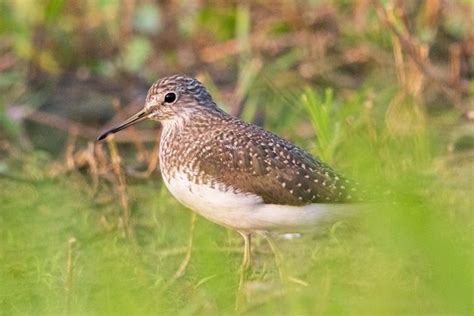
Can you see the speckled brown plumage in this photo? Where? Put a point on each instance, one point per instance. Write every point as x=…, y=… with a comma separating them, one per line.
x=211, y=147
x=237, y=174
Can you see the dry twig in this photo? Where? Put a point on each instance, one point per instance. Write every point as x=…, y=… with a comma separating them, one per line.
x=121, y=187
x=417, y=53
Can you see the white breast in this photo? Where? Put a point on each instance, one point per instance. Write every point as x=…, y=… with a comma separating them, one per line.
x=225, y=208
x=247, y=212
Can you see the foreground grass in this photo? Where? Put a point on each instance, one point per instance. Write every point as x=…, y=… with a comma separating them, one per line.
x=410, y=254
x=413, y=256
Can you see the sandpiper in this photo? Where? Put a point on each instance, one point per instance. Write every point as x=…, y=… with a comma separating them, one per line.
x=234, y=173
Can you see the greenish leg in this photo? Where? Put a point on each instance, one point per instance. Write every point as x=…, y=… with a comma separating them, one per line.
x=278, y=257
x=244, y=267
x=184, y=264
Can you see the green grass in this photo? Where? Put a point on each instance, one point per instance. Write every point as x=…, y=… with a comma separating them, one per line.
x=410, y=256
x=409, y=253
x=111, y=274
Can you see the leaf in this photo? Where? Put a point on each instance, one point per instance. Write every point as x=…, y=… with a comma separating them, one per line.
x=137, y=52
x=147, y=19
x=319, y=111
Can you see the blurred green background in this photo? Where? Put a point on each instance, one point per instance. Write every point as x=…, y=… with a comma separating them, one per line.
x=380, y=90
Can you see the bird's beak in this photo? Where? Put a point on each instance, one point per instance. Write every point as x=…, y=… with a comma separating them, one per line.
x=138, y=117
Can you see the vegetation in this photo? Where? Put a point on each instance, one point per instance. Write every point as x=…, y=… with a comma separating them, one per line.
x=380, y=90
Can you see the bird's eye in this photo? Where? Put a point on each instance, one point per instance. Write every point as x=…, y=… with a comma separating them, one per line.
x=170, y=97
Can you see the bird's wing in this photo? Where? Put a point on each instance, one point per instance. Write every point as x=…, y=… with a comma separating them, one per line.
x=259, y=162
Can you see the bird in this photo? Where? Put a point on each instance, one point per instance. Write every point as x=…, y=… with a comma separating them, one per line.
x=234, y=173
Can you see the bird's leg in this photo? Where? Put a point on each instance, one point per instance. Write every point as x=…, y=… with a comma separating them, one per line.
x=278, y=257
x=184, y=264
x=247, y=251
x=244, y=266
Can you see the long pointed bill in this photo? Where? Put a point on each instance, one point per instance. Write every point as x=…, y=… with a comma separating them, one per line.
x=140, y=116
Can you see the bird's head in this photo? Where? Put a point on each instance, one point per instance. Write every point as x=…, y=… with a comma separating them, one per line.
x=169, y=99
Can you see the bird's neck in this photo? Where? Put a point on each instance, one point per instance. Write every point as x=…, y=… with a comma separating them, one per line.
x=193, y=121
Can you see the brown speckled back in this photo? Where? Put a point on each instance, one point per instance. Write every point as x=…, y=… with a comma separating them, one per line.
x=213, y=148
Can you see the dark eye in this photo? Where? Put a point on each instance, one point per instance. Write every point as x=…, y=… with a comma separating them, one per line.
x=170, y=97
